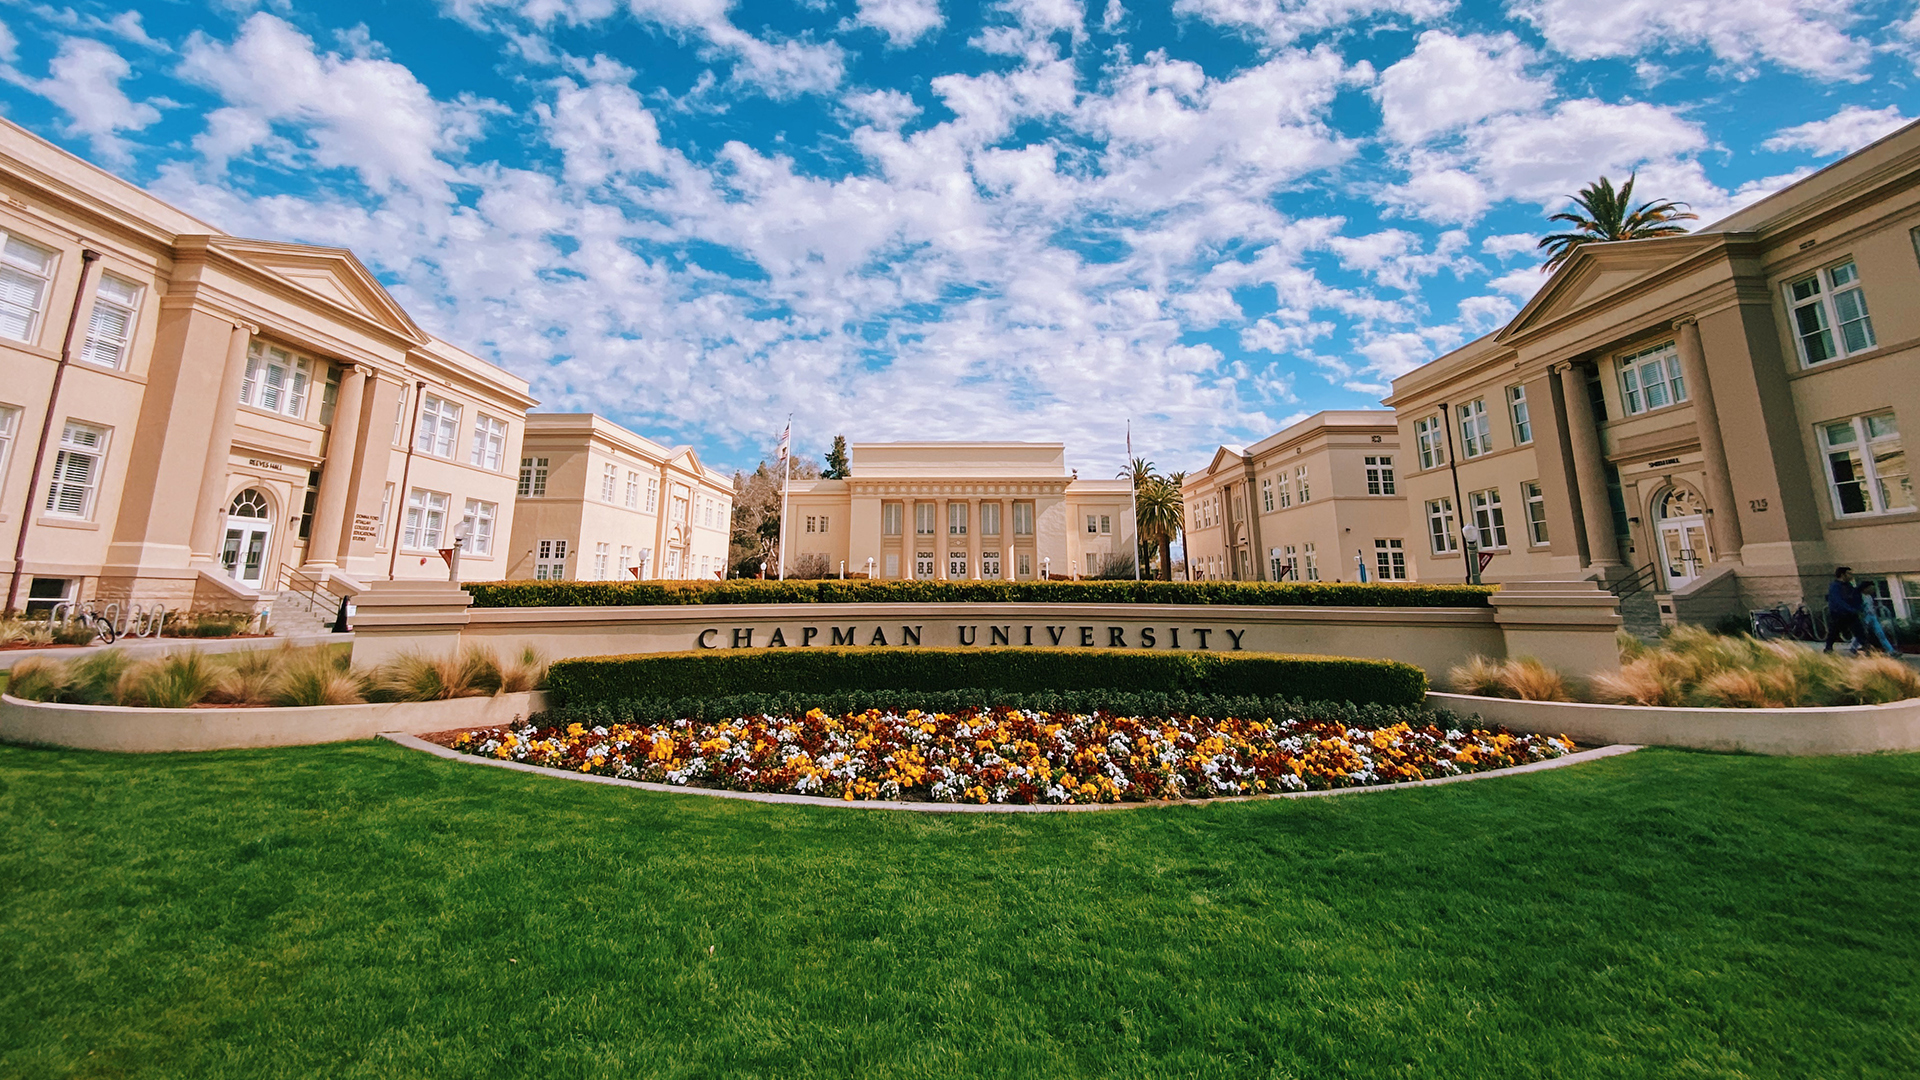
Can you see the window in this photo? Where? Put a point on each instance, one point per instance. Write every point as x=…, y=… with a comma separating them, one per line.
x=439, y=426
x=990, y=565
x=533, y=476
x=923, y=519
x=1440, y=526
x=600, y=555
x=1379, y=475
x=1389, y=560
x=823, y=523
x=892, y=568
x=810, y=523
x=26, y=270
x=633, y=490
x=957, y=565
x=276, y=380
x=1291, y=558
x=1536, y=513
x=76, y=470
x=1300, y=475
x=1489, y=518
x=891, y=516
x=990, y=520
x=329, y=395
x=1476, y=428
x=116, y=309
x=1517, y=411
x=1430, y=441
x=956, y=519
x=1650, y=379
x=399, y=417
x=426, y=520
x=479, y=523
x=1106, y=525
x=1026, y=565
x=923, y=565
x=1313, y=562
x=1827, y=301
x=1023, y=519
x=1093, y=524
x=653, y=495
x=1866, y=466
x=1275, y=567
x=626, y=560
x=489, y=442
x=550, y=560
x=677, y=512
x=308, y=501
x=609, y=478
x=1285, y=491
x=1266, y=494
x=386, y=517
x=9, y=426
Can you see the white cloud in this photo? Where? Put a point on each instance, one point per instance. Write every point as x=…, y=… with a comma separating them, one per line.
x=1520, y=284
x=888, y=110
x=84, y=79
x=601, y=129
x=1842, y=133
x=1282, y=22
x=1807, y=36
x=1394, y=259
x=1449, y=82
x=1506, y=245
x=1112, y=18
x=903, y=21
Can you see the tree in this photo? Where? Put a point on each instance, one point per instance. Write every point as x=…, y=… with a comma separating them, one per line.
x=1159, y=509
x=1604, y=216
x=756, y=516
x=837, y=468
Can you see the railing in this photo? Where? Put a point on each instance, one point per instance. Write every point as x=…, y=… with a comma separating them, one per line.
x=1640, y=581
x=138, y=620
x=314, y=589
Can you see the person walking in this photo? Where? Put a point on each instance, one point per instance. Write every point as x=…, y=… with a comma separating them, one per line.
x=1843, y=609
x=1874, y=631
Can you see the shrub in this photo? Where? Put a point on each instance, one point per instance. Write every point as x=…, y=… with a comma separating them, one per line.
x=472, y=673
x=249, y=676
x=1021, y=671
x=526, y=672
x=834, y=591
x=1876, y=680
x=208, y=624
x=317, y=677
x=25, y=632
x=95, y=678
x=1645, y=680
x=39, y=679
x=174, y=681
x=1524, y=678
x=73, y=633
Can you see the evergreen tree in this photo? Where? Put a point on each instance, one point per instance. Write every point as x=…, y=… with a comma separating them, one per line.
x=837, y=461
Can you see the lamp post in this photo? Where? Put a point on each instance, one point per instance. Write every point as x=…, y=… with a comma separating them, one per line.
x=843, y=569
x=1046, y=568
x=869, y=568
x=1470, y=535
x=460, y=534
x=763, y=571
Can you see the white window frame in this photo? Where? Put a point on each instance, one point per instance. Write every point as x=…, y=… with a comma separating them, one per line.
x=626, y=562
x=9, y=431
x=1443, y=533
x=1379, y=474
x=1536, y=501
x=1266, y=494
x=276, y=380
x=113, y=322
x=550, y=560
x=26, y=277
x=1835, y=304
x=1389, y=560
x=653, y=494
x=72, y=493
x=1476, y=428
x=533, y=477
x=1490, y=518
x=386, y=519
x=601, y=554
x=1668, y=384
x=989, y=519
x=479, y=519
x=489, y=442
x=892, y=518
x=1023, y=519
x=1872, y=453
x=425, y=526
x=1300, y=474
x=925, y=517
x=1430, y=441
x=1312, y=558
x=957, y=519
x=439, y=426
x=633, y=490
x=609, y=481
x=1519, y=414
x=1106, y=525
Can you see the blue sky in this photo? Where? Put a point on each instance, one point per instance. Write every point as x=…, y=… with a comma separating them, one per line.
x=927, y=219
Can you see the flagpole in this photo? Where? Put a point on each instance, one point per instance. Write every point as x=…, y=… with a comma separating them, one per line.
x=786, y=481
x=1133, y=500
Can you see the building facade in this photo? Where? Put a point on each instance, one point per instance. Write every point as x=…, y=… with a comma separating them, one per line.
x=232, y=409
x=1715, y=418
x=961, y=511
x=1312, y=502
x=599, y=503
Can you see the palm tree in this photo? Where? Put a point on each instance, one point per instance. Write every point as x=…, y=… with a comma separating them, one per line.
x=1162, y=509
x=1604, y=216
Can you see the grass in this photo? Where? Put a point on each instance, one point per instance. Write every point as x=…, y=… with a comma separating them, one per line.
x=364, y=911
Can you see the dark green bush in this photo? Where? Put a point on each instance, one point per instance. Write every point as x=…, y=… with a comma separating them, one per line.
x=588, y=680
x=500, y=594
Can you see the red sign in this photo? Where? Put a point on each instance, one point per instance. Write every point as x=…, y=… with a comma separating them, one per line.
x=1485, y=558
x=447, y=555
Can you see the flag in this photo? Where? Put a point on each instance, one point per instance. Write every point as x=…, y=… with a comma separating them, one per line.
x=786, y=435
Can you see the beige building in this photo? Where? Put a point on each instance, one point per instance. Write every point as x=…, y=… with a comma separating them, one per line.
x=1714, y=419
x=232, y=409
x=960, y=511
x=599, y=503
x=1302, y=504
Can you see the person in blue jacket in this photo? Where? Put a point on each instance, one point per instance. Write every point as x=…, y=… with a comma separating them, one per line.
x=1875, y=633
x=1843, y=609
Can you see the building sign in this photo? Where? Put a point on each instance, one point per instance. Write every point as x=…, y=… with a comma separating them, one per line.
x=262, y=463
x=365, y=526
x=1018, y=635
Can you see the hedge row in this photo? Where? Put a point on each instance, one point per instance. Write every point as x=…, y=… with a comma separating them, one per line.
x=504, y=594
x=1112, y=702
x=590, y=680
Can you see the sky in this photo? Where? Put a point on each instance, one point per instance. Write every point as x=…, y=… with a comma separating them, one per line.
x=943, y=219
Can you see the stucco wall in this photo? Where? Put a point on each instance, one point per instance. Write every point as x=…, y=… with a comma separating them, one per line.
x=1855, y=729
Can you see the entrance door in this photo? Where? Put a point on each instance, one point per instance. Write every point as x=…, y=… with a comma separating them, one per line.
x=990, y=565
x=244, y=552
x=923, y=565
x=1684, y=550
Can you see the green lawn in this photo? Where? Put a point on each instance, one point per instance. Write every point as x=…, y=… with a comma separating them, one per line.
x=365, y=911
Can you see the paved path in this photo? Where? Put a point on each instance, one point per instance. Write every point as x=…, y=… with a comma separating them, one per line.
x=144, y=646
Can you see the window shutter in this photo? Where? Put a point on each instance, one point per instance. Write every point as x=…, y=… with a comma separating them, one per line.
x=297, y=401
x=19, y=302
x=107, y=334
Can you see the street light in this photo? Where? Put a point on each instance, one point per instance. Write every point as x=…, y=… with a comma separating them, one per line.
x=1470, y=534
x=460, y=534
x=869, y=568
x=1046, y=568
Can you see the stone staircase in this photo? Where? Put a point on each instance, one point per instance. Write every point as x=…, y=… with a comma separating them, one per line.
x=294, y=614
x=1640, y=615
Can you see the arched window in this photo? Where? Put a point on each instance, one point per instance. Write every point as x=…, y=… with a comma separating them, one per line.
x=1680, y=503
x=248, y=504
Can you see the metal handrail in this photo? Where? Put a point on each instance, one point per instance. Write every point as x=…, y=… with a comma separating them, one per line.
x=310, y=587
x=1642, y=579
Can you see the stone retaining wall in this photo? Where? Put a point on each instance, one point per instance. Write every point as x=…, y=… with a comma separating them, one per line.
x=1850, y=729
x=142, y=731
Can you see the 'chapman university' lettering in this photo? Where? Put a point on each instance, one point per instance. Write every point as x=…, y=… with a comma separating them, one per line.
x=968, y=636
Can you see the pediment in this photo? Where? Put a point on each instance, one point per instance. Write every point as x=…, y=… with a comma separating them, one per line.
x=1597, y=271
x=684, y=457
x=331, y=275
x=1224, y=456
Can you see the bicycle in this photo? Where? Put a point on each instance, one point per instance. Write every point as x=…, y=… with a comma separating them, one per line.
x=1798, y=624
x=87, y=616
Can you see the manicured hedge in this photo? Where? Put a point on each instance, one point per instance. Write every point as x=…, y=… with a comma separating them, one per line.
x=501, y=594
x=1015, y=671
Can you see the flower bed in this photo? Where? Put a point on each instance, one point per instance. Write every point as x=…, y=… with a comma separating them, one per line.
x=1012, y=756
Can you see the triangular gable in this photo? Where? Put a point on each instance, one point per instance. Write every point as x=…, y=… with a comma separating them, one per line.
x=1224, y=455
x=684, y=457
x=330, y=274
x=1597, y=271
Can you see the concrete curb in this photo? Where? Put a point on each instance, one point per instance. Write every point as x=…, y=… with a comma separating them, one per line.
x=1840, y=729
x=415, y=743
x=142, y=646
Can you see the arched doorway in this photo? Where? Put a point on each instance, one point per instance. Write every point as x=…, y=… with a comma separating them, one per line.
x=1684, y=549
x=249, y=528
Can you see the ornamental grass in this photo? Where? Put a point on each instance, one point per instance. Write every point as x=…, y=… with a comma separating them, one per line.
x=1524, y=678
x=1007, y=755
